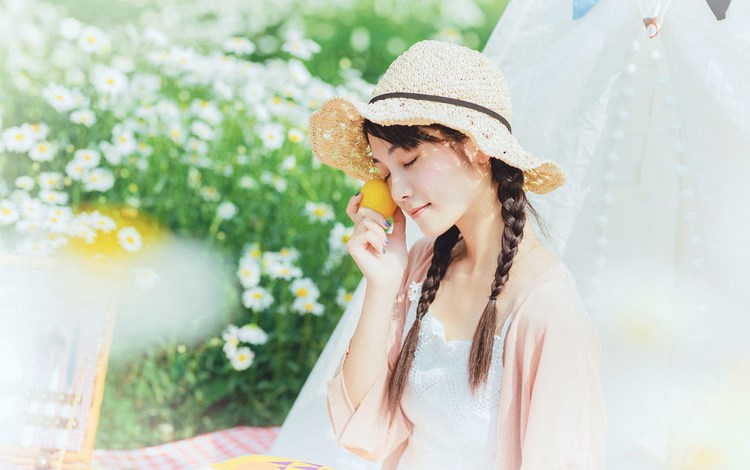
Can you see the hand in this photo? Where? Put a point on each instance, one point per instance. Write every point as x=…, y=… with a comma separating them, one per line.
x=382, y=263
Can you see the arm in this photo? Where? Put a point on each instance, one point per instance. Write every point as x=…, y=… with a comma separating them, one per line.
x=565, y=414
x=358, y=409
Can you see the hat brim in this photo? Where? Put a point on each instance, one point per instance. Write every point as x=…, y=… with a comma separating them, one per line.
x=337, y=139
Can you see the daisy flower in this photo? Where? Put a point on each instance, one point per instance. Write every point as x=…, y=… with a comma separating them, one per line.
x=18, y=139
x=85, y=117
x=339, y=237
x=98, y=179
x=252, y=334
x=50, y=180
x=88, y=158
x=318, y=212
x=59, y=97
x=239, y=46
x=43, y=152
x=295, y=135
x=307, y=306
x=257, y=299
x=226, y=210
x=75, y=170
x=289, y=163
x=101, y=222
x=58, y=218
x=277, y=181
x=32, y=209
x=53, y=197
x=8, y=212
x=93, y=40
x=247, y=182
x=304, y=288
x=242, y=359
x=25, y=182
x=70, y=28
x=343, y=297
x=124, y=140
x=130, y=239
x=202, y=130
x=272, y=136
x=248, y=273
x=109, y=81
x=300, y=47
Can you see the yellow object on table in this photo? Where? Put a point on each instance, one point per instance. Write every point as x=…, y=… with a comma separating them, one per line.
x=265, y=462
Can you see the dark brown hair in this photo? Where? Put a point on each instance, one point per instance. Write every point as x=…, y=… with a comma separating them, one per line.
x=509, y=182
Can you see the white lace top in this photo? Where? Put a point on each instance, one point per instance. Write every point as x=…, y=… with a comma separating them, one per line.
x=451, y=428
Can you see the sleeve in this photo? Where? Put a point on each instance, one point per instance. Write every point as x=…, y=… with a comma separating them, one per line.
x=365, y=430
x=565, y=414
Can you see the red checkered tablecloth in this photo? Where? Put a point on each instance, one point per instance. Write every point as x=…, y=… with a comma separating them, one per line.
x=189, y=453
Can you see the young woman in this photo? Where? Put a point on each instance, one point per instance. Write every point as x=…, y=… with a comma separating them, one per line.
x=473, y=349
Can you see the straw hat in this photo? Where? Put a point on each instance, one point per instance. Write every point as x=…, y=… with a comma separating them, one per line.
x=432, y=82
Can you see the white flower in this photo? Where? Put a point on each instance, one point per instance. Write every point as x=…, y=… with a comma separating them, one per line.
x=111, y=153
x=339, y=237
x=295, y=135
x=230, y=350
x=101, y=222
x=123, y=140
x=78, y=228
x=253, y=93
x=98, y=179
x=257, y=299
x=25, y=182
x=145, y=278
x=230, y=335
x=304, y=288
x=18, y=139
x=83, y=116
x=130, y=239
x=53, y=197
x=58, y=218
x=109, y=81
x=210, y=193
x=277, y=181
x=43, y=152
x=289, y=163
x=300, y=47
x=88, y=158
x=247, y=182
x=243, y=358
x=239, y=45
x=415, y=291
x=343, y=297
x=307, y=306
x=60, y=97
x=319, y=212
x=248, y=272
x=75, y=170
x=8, y=212
x=50, y=180
x=208, y=111
x=272, y=135
x=93, y=40
x=32, y=209
x=70, y=28
x=281, y=270
x=226, y=210
x=252, y=334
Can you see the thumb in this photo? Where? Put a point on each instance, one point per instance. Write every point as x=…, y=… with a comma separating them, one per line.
x=399, y=225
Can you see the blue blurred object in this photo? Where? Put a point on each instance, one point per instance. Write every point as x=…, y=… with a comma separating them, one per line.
x=581, y=7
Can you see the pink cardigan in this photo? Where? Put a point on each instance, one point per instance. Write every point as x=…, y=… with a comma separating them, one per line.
x=551, y=411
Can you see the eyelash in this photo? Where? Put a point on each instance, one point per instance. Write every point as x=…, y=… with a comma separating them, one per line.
x=406, y=165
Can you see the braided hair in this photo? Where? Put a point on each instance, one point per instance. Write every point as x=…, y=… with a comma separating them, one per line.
x=512, y=197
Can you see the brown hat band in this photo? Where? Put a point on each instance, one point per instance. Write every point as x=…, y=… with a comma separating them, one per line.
x=443, y=99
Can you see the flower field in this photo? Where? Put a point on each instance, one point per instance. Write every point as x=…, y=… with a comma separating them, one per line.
x=171, y=139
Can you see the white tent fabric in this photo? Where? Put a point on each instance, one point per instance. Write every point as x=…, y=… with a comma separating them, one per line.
x=652, y=125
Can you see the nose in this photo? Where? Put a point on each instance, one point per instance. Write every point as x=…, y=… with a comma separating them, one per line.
x=400, y=188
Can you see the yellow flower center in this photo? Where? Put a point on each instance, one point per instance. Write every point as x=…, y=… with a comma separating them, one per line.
x=301, y=292
x=257, y=296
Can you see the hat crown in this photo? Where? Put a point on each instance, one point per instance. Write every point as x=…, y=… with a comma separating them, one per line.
x=448, y=70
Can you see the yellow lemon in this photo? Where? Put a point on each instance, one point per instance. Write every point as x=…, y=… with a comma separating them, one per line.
x=377, y=196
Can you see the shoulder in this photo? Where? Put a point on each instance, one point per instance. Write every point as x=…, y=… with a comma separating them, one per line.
x=553, y=301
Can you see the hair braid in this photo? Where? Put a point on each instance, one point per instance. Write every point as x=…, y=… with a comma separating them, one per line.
x=513, y=199
x=440, y=261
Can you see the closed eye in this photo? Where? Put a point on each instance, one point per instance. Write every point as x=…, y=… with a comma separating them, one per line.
x=406, y=165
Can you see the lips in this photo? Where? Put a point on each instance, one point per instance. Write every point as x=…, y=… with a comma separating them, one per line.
x=418, y=210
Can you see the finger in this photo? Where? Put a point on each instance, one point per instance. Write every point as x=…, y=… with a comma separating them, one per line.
x=352, y=206
x=374, y=215
x=399, y=225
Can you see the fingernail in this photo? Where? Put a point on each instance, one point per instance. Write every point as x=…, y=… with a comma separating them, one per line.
x=387, y=224
x=357, y=193
x=383, y=250
x=387, y=241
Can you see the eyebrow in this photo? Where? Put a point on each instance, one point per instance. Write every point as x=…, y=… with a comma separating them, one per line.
x=390, y=151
